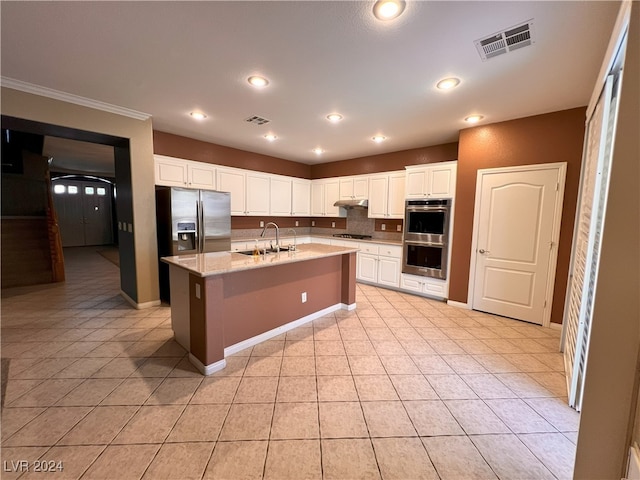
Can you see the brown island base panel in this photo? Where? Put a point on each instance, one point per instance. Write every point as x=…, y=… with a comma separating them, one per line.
x=223, y=302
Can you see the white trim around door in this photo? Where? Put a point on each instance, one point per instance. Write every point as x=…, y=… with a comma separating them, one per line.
x=561, y=168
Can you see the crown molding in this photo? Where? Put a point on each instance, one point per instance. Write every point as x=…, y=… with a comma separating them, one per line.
x=70, y=98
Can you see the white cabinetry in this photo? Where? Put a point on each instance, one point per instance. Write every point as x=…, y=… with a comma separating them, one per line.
x=176, y=172
x=324, y=193
x=354, y=188
x=379, y=264
x=437, y=180
x=257, y=193
x=386, y=195
x=232, y=180
x=249, y=190
x=431, y=287
x=301, y=197
x=280, y=196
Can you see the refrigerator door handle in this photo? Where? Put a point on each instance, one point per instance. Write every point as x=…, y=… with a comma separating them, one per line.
x=202, y=230
x=198, y=226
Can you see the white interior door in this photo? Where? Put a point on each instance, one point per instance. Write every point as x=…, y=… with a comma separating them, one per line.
x=515, y=238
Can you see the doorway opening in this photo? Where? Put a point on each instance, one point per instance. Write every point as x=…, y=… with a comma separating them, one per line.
x=92, y=179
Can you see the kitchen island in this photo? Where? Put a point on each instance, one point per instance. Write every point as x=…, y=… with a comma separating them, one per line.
x=224, y=302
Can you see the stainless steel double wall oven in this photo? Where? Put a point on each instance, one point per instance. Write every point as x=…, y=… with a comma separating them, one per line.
x=426, y=237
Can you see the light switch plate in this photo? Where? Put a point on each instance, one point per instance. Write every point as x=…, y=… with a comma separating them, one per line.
x=399, y=228
x=261, y=223
x=383, y=227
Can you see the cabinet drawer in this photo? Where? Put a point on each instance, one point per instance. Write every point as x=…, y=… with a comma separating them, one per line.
x=436, y=289
x=369, y=248
x=390, y=251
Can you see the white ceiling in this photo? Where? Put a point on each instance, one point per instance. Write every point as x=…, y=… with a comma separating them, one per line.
x=170, y=58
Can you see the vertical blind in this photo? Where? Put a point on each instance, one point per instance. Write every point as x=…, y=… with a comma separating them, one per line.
x=588, y=229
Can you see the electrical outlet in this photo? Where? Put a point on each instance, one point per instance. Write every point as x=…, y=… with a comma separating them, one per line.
x=313, y=223
x=304, y=297
x=399, y=228
x=297, y=223
x=261, y=223
x=383, y=227
x=197, y=290
x=333, y=224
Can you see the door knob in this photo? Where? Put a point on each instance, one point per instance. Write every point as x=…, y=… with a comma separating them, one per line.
x=483, y=251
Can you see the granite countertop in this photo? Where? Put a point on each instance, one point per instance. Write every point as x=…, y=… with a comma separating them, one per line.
x=218, y=263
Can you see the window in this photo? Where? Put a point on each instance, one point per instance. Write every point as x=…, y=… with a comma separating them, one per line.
x=101, y=191
x=73, y=190
x=59, y=189
x=89, y=190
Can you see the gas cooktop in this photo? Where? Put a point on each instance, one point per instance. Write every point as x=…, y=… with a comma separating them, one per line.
x=352, y=235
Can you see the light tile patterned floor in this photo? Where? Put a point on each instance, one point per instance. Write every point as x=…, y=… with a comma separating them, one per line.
x=402, y=388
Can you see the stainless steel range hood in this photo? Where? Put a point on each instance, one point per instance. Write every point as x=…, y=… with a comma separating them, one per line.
x=352, y=204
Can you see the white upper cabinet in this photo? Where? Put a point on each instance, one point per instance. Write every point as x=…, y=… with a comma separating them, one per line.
x=386, y=195
x=301, y=197
x=324, y=193
x=232, y=180
x=331, y=196
x=176, y=172
x=201, y=175
x=257, y=193
x=171, y=172
x=317, y=198
x=354, y=188
x=281, y=196
x=437, y=180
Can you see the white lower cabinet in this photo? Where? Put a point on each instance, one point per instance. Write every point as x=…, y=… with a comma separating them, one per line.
x=432, y=287
x=379, y=264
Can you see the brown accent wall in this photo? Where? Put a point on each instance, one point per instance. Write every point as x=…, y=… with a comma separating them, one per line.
x=325, y=222
x=241, y=223
x=386, y=162
x=549, y=138
x=390, y=225
x=259, y=300
x=188, y=148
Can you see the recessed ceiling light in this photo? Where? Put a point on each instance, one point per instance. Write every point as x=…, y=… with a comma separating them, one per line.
x=198, y=115
x=334, y=117
x=270, y=136
x=448, y=83
x=258, y=81
x=318, y=151
x=388, y=9
x=379, y=138
x=473, y=118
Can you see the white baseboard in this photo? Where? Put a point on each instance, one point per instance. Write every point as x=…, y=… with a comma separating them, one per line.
x=250, y=342
x=207, y=369
x=139, y=306
x=453, y=303
x=555, y=326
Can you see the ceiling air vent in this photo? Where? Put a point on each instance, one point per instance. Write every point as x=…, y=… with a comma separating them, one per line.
x=257, y=120
x=506, y=41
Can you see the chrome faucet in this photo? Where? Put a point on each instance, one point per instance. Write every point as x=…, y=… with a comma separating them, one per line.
x=277, y=234
x=294, y=247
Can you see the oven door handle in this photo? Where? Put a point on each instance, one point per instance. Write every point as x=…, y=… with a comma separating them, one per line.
x=425, y=244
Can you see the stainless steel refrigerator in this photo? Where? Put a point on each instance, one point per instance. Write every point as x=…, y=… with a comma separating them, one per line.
x=189, y=222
